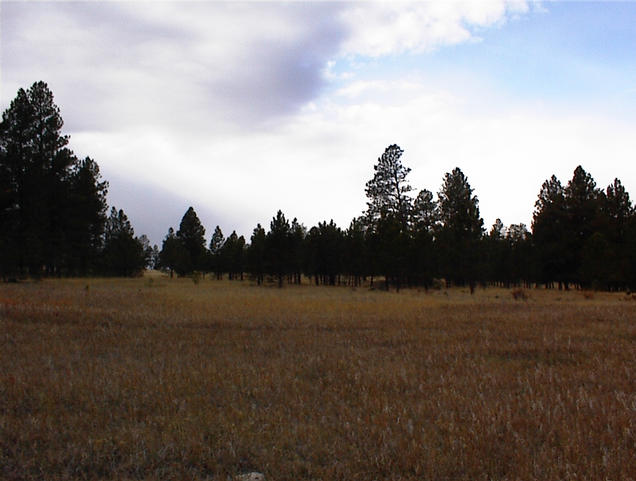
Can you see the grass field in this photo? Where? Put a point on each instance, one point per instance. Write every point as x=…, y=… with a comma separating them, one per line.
x=154, y=378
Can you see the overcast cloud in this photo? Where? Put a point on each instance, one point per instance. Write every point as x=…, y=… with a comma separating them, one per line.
x=242, y=108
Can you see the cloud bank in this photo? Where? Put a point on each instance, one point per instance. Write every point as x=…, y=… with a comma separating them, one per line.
x=242, y=108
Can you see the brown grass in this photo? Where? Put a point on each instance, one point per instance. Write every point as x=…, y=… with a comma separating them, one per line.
x=165, y=379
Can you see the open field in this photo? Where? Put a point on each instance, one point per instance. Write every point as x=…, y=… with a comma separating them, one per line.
x=155, y=378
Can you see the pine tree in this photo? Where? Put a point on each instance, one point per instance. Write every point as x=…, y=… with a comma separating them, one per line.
x=582, y=204
x=233, y=255
x=617, y=212
x=549, y=231
x=424, y=224
x=277, y=253
x=256, y=254
x=87, y=197
x=123, y=253
x=52, y=206
x=172, y=252
x=216, y=243
x=34, y=165
x=388, y=190
x=355, y=262
x=461, y=227
x=192, y=236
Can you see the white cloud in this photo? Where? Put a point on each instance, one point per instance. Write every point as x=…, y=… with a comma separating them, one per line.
x=314, y=166
x=384, y=28
x=239, y=107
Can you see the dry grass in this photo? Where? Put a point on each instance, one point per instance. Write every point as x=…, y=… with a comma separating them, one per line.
x=165, y=379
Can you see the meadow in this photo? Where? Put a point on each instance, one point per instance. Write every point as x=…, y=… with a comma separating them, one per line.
x=157, y=378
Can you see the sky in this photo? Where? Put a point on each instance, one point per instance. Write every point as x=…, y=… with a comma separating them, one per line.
x=243, y=108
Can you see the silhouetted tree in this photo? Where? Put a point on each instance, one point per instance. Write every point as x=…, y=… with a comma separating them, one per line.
x=216, y=258
x=192, y=236
x=52, y=207
x=424, y=224
x=613, y=256
x=549, y=231
x=355, y=262
x=389, y=245
x=172, y=253
x=34, y=161
x=297, y=250
x=277, y=252
x=256, y=254
x=387, y=191
x=582, y=205
x=123, y=253
x=461, y=228
x=87, y=216
x=233, y=255
x=325, y=247
x=519, y=258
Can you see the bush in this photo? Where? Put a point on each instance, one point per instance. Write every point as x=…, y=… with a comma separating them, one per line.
x=519, y=294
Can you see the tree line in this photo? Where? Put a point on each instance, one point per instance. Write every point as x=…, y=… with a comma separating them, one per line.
x=581, y=236
x=54, y=221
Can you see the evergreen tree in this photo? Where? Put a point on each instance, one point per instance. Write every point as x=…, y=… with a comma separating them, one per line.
x=389, y=246
x=216, y=244
x=297, y=254
x=497, y=255
x=233, y=255
x=424, y=224
x=461, y=228
x=582, y=205
x=52, y=206
x=325, y=246
x=425, y=213
x=277, y=252
x=519, y=258
x=355, y=262
x=172, y=253
x=123, y=253
x=388, y=190
x=256, y=254
x=549, y=231
x=192, y=236
x=34, y=165
x=88, y=201
x=618, y=262
x=147, y=248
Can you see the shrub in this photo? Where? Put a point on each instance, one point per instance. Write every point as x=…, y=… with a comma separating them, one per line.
x=519, y=294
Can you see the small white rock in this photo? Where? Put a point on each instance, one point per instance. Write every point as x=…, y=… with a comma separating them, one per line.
x=254, y=476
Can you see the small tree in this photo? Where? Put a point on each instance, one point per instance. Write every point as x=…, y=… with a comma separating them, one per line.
x=172, y=253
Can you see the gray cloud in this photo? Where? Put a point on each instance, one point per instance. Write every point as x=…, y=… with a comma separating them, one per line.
x=185, y=66
x=153, y=210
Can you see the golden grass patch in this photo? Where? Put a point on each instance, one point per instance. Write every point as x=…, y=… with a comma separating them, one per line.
x=132, y=379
